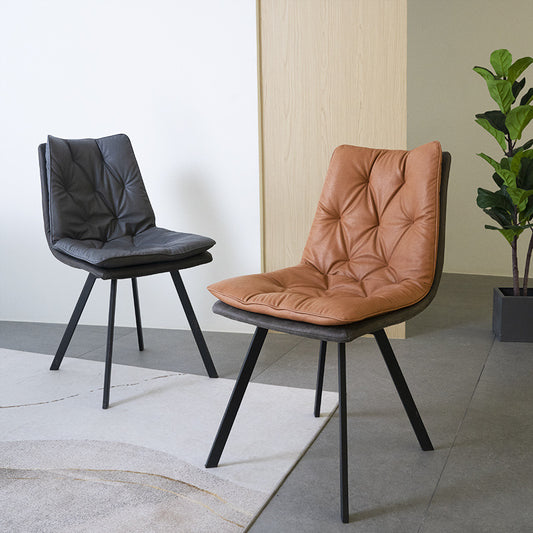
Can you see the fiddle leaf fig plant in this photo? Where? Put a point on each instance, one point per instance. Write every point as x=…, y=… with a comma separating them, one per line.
x=511, y=204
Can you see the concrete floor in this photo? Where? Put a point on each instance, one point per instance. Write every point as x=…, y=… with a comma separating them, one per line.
x=474, y=394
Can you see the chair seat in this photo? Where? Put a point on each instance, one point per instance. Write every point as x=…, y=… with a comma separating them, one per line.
x=152, y=245
x=305, y=294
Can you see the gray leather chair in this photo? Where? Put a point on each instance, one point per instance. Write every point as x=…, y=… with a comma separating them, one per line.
x=97, y=217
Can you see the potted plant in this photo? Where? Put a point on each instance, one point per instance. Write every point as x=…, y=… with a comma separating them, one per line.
x=511, y=204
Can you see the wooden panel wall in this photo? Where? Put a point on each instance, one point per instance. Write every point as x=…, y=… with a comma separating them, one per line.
x=331, y=72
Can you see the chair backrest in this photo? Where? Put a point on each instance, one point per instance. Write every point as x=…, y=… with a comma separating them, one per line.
x=378, y=217
x=92, y=189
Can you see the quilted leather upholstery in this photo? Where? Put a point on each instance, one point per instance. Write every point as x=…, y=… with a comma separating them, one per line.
x=99, y=211
x=372, y=246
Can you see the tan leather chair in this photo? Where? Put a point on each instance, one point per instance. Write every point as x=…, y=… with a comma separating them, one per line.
x=373, y=259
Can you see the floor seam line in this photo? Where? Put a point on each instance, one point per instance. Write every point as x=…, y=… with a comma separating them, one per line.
x=103, y=345
x=424, y=516
x=274, y=362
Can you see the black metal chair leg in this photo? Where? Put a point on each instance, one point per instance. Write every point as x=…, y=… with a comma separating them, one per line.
x=137, y=307
x=193, y=323
x=74, y=319
x=109, y=347
x=320, y=377
x=343, y=435
x=236, y=397
x=403, y=390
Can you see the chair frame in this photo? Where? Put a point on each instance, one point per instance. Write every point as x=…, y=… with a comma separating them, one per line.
x=114, y=274
x=341, y=335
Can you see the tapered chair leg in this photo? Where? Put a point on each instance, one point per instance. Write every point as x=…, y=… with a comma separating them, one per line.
x=193, y=323
x=137, y=307
x=236, y=397
x=343, y=435
x=403, y=390
x=74, y=319
x=320, y=377
x=109, y=347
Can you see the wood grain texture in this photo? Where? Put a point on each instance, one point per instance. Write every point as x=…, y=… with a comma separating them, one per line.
x=331, y=72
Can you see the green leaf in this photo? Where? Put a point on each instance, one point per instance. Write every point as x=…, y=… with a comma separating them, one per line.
x=525, y=146
x=525, y=175
x=510, y=234
x=508, y=176
x=526, y=99
x=501, y=91
x=501, y=60
x=505, y=163
x=516, y=160
x=519, y=197
x=485, y=198
x=491, y=161
x=518, y=67
x=518, y=86
x=488, y=199
x=485, y=73
x=498, y=135
x=497, y=179
x=501, y=216
x=517, y=119
x=527, y=214
x=496, y=120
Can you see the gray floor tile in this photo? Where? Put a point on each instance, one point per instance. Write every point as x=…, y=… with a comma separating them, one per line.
x=474, y=395
x=391, y=478
x=462, y=302
x=45, y=338
x=175, y=350
x=487, y=485
x=391, y=481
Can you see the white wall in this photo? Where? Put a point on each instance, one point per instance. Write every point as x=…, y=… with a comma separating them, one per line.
x=180, y=78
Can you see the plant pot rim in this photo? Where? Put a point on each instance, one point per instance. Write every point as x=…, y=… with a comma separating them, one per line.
x=507, y=292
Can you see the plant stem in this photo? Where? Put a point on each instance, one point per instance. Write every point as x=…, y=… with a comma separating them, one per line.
x=528, y=262
x=516, y=285
x=510, y=146
x=514, y=245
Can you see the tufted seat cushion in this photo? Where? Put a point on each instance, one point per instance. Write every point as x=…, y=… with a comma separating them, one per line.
x=152, y=245
x=99, y=211
x=372, y=246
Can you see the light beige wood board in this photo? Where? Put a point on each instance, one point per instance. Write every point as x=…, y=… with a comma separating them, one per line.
x=331, y=72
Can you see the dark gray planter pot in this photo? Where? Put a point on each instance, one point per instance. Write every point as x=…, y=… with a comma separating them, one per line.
x=512, y=316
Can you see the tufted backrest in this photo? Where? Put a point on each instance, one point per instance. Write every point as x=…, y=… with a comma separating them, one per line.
x=378, y=216
x=95, y=189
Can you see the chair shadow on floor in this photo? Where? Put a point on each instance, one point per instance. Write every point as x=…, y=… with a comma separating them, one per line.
x=391, y=508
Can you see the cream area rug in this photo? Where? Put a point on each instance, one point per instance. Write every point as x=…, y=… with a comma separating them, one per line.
x=66, y=465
